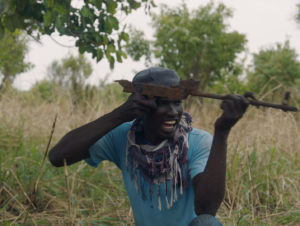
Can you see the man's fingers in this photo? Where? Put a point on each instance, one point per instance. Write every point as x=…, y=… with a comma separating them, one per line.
x=234, y=106
x=231, y=106
x=225, y=105
x=245, y=102
x=236, y=103
x=148, y=103
x=140, y=104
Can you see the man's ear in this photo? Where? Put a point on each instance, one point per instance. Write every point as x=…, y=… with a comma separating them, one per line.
x=145, y=117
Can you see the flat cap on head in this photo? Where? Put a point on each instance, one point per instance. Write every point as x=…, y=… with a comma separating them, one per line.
x=158, y=76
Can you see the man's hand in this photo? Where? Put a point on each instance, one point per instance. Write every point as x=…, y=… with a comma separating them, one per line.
x=136, y=106
x=234, y=108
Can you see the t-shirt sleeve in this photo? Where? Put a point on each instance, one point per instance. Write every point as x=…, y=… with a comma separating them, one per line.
x=200, y=144
x=109, y=147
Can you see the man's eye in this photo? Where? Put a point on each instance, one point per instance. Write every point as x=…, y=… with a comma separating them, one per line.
x=167, y=102
x=163, y=102
x=177, y=102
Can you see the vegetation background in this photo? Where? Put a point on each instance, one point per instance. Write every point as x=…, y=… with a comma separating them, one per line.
x=263, y=154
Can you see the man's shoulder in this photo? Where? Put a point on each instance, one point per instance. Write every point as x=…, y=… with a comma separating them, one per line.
x=198, y=136
x=200, y=142
x=124, y=127
x=199, y=132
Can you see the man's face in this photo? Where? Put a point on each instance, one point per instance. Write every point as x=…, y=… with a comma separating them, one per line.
x=161, y=123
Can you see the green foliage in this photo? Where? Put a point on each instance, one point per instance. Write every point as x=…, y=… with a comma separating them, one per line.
x=139, y=46
x=274, y=69
x=92, y=23
x=298, y=14
x=13, y=46
x=49, y=91
x=112, y=94
x=20, y=165
x=45, y=90
x=70, y=70
x=229, y=84
x=231, y=81
x=196, y=44
x=71, y=73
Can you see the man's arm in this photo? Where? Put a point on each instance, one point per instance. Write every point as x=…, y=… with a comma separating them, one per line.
x=209, y=186
x=74, y=146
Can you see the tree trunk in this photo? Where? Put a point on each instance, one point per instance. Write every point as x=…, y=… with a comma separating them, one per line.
x=5, y=82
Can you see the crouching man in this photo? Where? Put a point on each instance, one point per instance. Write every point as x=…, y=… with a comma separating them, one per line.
x=174, y=174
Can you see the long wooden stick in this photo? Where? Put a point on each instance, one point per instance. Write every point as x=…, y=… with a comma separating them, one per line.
x=188, y=87
x=256, y=103
x=45, y=156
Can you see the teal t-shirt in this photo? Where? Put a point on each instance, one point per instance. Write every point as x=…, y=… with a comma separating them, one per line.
x=112, y=147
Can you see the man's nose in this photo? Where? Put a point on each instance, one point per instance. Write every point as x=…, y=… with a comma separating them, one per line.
x=172, y=110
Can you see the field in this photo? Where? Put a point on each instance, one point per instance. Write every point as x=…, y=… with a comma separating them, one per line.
x=263, y=186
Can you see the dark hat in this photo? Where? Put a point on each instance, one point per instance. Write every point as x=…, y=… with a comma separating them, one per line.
x=157, y=75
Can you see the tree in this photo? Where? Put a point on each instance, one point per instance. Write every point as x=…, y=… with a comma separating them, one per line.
x=274, y=69
x=230, y=81
x=71, y=73
x=298, y=14
x=13, y=48
x=93, y=23
x=196, y=44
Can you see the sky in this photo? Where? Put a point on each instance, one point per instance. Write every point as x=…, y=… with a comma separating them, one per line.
x=264, y=22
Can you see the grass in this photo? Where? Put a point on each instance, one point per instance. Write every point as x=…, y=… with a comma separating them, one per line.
x=262, y=175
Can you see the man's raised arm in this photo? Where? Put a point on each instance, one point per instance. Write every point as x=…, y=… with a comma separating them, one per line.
x=209, y=186
x=74, y=146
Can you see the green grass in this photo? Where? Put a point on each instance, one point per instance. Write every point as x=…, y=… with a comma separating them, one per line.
x=262, y=170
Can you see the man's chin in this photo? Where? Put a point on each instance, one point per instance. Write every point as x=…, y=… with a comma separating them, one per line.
x=167, y=133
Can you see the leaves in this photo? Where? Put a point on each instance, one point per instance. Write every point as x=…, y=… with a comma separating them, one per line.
x=85, y=12
x=138, y=46
x=298, y=14
x=12, y=55
x=112, y=22
x=71, y=73
x=93, y=24
x=71, y=70
x=124, y=36
x=50, y=3
x=99, y=54
x=273, y=67
x=111, y=6
x=48, y=19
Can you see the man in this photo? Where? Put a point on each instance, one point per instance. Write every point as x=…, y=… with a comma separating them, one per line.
x=174, y=174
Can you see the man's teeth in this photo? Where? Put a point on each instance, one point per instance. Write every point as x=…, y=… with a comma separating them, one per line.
x=170, y=123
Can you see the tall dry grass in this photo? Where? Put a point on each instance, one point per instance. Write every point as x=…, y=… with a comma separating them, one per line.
x=262, y=176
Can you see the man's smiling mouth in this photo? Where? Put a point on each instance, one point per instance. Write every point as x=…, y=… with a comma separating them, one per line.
x=169, y=125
